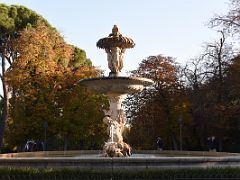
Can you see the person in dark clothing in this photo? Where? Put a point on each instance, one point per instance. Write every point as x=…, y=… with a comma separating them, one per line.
x=159, y=144
x=39, y=146
x=212, y=144
x=30, y=146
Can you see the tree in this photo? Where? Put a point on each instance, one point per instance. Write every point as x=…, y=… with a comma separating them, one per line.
x=34, y=77
x=231, y=21
x=80, y=58
x=195, y=76
x=218, y=57
x=81, y=120
x=44, y=86
x=12, y=19
x=154, y=112
x=207, y=90
x=231, y=108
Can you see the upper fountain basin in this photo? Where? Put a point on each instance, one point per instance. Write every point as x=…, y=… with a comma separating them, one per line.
x=116, y=85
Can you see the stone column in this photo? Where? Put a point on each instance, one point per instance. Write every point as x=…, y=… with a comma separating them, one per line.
x=116, y=108
x=115, y=119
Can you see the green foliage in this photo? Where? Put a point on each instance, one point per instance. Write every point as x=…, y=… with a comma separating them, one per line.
x=44, y=90
x=83, y=114
x=41, y=79
x=61, y=174
x=80, y=58
x=14, y=18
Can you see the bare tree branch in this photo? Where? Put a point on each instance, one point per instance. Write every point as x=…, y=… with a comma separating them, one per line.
x=8, y=58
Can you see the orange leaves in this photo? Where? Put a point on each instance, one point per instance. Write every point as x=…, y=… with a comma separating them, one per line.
x=87, y=72
x=43, y=48
x=40, y=51
x=158, y=68
x=43, y=80
x=44, y=87
x=155, y=111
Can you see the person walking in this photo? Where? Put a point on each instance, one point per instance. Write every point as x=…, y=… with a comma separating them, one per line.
x=212, y=144
x=159, y=144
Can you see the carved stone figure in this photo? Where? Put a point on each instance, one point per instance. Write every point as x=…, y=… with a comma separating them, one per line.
x=113, y=149
x=115, y=31
x=115, y=59
x=115, y=46
x=115, y=128
x=115, y=120
x=117, y=149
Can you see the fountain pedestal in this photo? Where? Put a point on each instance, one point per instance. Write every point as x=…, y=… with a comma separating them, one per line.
x=116, y=89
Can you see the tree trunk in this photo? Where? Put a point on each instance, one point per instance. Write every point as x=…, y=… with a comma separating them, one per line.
x=174, y=142
x=4, y=113
x=65, y=143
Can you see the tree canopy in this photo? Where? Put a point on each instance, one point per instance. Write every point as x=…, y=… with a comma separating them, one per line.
x=229, y=21
x=41, y=72
x=15, y=17
x=204, y=94
x=155, y=111
x=12, y=19
x=42, y=78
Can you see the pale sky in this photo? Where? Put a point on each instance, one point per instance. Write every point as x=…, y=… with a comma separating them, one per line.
x=175, y=28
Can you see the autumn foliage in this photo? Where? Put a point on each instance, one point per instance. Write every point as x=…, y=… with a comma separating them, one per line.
x=155, y=111
x=185, y=105
x=44, y=86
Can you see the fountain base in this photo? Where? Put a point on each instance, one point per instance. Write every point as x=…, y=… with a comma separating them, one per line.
x=116, y=88
x=140, y=160
x=113, y=149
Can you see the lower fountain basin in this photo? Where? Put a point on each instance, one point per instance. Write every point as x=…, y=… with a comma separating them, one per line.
x=116, y=85
x=141, y=160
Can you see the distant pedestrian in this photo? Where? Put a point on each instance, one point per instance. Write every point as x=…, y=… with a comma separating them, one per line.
x=212, y=144
x=39, y=146
x=30, y=146
x=159, y=144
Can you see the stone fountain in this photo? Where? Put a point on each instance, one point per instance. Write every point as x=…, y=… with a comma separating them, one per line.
x=116, y=87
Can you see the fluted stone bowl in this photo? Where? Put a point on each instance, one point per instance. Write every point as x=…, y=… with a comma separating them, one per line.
x=119, y=41
x=116, y=85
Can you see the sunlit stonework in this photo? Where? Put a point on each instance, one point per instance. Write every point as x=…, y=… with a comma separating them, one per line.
x=115, y=46
x=116, y=87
